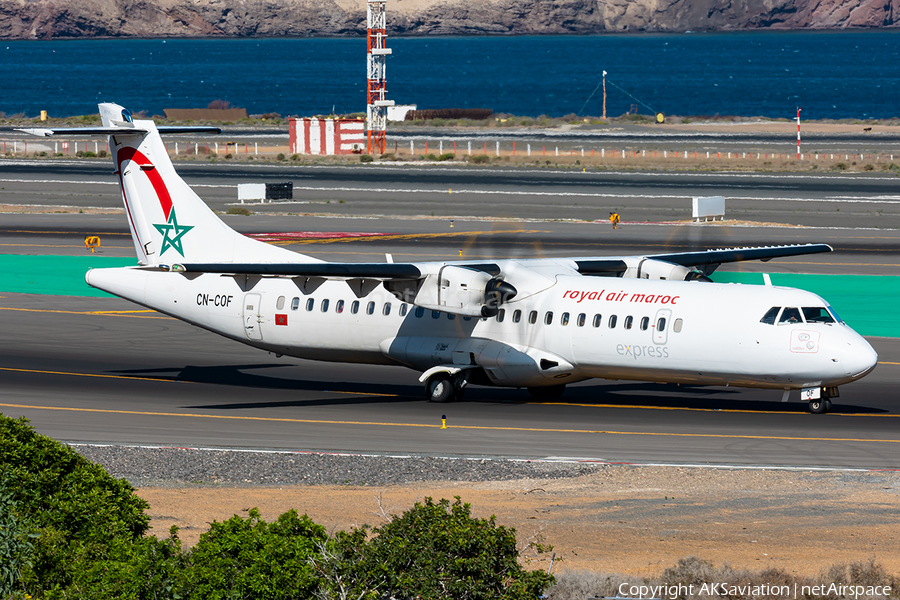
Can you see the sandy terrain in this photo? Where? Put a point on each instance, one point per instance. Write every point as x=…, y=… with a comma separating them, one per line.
x=629, y=520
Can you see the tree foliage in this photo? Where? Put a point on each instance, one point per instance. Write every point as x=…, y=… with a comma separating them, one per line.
x=70, y=530
x=75, y=505
x=249, y=558
x=435, y=550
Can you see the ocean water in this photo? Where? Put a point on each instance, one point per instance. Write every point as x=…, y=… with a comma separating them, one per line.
x=770, y=74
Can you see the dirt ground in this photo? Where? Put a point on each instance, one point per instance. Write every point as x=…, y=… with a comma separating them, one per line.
x=629, y=520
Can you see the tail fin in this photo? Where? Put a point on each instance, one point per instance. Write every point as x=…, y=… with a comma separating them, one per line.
x=169, y=222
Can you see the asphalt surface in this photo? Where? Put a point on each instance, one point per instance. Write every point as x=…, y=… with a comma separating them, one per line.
x=84, y=371
x=808, y=199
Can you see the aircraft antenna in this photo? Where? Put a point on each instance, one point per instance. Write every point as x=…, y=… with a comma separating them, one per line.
x=376, y=53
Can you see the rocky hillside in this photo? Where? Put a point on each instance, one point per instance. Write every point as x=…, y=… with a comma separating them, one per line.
x=48, y=19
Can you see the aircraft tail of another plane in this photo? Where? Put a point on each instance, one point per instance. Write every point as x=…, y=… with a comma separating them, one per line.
x=168, y=220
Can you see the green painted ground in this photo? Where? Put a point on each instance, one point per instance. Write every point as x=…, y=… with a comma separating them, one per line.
x=53, y=275
x=866, y=302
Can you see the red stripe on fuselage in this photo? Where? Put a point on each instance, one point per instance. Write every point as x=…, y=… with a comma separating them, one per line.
x=159, y=186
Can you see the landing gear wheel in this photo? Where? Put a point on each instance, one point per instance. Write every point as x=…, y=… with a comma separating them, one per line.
x=819, y=406
x=547, y=392
x=440, y=388
x=828, y=405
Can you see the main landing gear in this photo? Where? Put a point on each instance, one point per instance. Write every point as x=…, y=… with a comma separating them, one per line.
x=444, y=387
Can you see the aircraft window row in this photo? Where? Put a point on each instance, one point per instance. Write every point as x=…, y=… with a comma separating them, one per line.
x=791, y=314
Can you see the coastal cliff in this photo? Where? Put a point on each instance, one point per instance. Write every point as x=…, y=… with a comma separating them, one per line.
x=51, y=19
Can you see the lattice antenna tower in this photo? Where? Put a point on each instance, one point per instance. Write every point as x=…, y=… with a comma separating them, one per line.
x=376, y=53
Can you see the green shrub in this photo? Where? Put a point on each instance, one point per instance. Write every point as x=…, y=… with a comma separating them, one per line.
x=840, y=167
x=480, y=159
x=430, y=156
x=238, y=210
x=79, y=510
x=433, y=550
x=366, y=158
x=387, y=156
x=280, y=156
x=446, y=156
x=249, y=558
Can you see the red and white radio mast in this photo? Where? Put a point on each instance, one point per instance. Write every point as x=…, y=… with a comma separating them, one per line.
x=376, y=104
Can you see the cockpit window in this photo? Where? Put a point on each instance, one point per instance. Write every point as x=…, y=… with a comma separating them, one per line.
x=790, y=315
x=770, y=316
x=836, y=316
x=817, y=314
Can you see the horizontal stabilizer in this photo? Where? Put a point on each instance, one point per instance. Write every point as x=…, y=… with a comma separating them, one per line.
x=47, y=132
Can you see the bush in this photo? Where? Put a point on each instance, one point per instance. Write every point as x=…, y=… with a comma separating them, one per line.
x=430, y=156
x=78, y=509
x=280, y=156
x=387, y=156
x=366, y=158
x=446, y=156
x=840, y=167
x=249, y=558
x=480, y=159
x=238, y=210
x=433, y=550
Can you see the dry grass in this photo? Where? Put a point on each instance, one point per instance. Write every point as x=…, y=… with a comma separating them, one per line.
x=742, y=584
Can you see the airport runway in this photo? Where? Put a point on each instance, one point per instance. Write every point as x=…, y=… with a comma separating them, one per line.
x=92, y=369
x=120, y=376
x=808, y=199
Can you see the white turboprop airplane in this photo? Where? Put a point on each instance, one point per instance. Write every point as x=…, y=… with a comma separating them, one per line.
x=536, y=323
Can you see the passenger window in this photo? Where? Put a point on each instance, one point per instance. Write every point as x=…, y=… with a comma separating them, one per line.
x=419, y=312
x=295, y=303
x=517, y=316
x=339, y=307
x=612, y=321
x=387, y=309
x=661, y=324
x=789, y=316
x=403, y=309
x=548, y=317
x=354, y=308
x=279, y=304
x=817, y=314
x=501, y=314
x=597, y=320
x=564, y=319
x=450, y=316
x=532, y=317
x=628, y=322
x=309, y=304
x=581, y=319
x=467, y=318
x=324, y=305
x=770, y=316
x=435, y=314
x=370, y=308
x=645, y=323
x=677, y=326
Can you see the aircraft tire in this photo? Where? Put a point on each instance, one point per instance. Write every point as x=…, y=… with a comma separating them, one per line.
x=819, y=406
x=545, y=392
x=827, y=405
x=441, y=389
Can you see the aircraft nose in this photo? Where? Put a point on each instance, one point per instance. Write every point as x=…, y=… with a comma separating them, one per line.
x=859, y=358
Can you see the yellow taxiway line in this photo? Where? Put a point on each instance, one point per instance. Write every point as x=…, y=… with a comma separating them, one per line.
x=138, y=314
x=439, y=426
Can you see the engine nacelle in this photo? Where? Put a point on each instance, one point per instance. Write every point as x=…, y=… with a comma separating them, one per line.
x=649, y=268
x=461, y=291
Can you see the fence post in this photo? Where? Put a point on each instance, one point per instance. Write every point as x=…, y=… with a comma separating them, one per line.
x=470, y=147
x=529, y=149
x=498, y=148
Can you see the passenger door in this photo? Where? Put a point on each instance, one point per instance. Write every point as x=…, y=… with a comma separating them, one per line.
x=661, y=326
x=252, y=316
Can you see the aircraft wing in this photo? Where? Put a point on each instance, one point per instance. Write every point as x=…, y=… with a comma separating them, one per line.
x=727, y=255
